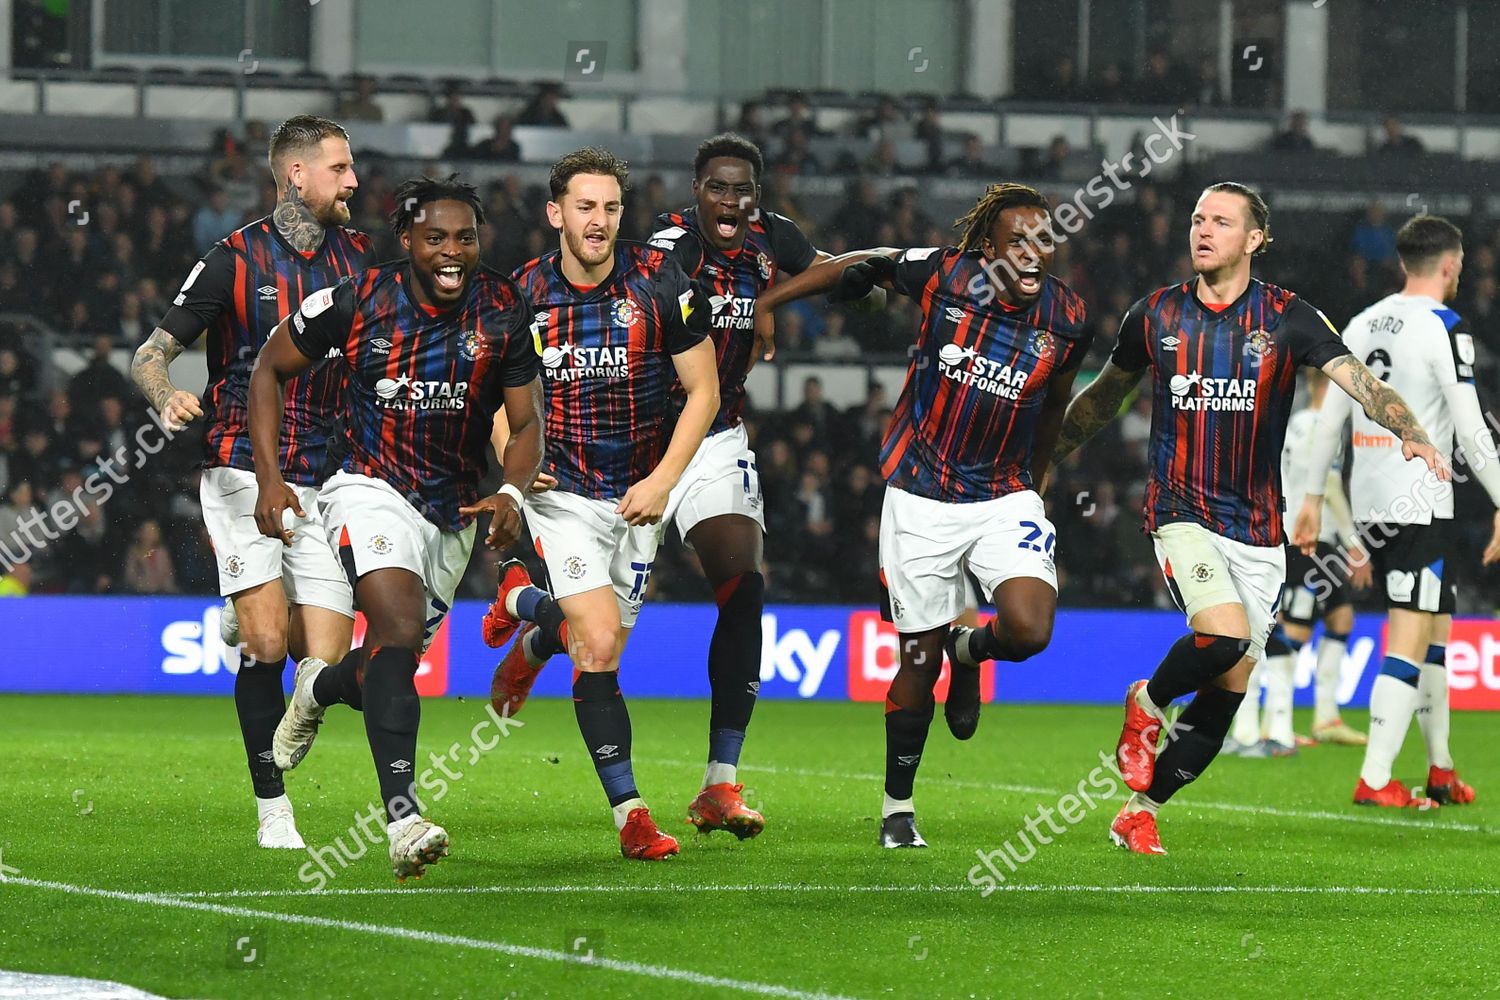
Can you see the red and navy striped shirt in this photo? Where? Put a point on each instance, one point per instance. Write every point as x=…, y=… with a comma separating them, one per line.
x=423, y=385
x=1223, y=381
x=964, y=425
x=245, y=285
x=607, y=365
x=733, y=281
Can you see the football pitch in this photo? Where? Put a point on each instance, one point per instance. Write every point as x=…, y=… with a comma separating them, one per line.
x=129, y=854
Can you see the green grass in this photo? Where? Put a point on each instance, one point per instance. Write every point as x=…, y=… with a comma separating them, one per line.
x=171, y=814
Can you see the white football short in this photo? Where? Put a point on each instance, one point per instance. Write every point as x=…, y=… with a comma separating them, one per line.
x=1204, y=569
x=586, y=545
x=308, y=569
x=926, y=545
x=721, y=479
x=371, y=526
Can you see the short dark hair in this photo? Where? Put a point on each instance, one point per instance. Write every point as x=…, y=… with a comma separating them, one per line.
x=419, y=191
x=590, y=160
x=1260, y=212
x=1424, y=239
x=986, y=212
x=298, y=134
x=731, y=145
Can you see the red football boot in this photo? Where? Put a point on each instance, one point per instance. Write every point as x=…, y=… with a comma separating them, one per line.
x=498, y=625
x=1136, y=751
x=1136, y=831
x=641, y=840
x=514, y=675
x=719, y=807
x=1446, y=788
x=1393, y=795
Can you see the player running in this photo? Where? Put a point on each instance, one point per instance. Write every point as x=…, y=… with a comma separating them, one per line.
x=1000, y=343
x=614, y=321
x=1317, y=587
x=1406, y=516
x=1223, y=351
x=432, y=347
x=245, y=284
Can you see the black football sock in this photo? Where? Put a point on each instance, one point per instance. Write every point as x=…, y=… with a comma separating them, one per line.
x=1194, y=740
x=1193, y=661
x=905, y=736
x=259, y=703
x=342, y=683
x=551, y=636
x=734, y=665
x=604, y=722
x=392, y=713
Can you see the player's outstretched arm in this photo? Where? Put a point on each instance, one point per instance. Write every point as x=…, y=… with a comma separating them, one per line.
x=823, y=276
x=1094, y=407
x=1385, y=406
x=279, y=360
x=149, y=370
x=698, y=371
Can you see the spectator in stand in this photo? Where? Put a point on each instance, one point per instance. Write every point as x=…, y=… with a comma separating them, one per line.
x=883, y=161
x=970, y=160
x=1203, y=84
x=816, y=412
x=1054, y=162
x=1062, y=83
x=213, y=221
x=1295, y=138
x=131, y=327
x=100, y=377
x=887, y=121
x=16, y=583
x=929, y=129
x=87, y=555
x=795, y=158
x=1109, y=88
x=360, y=106
x=799, y=118
x=859, y=216
x=834, y=344
x=453, y=112
x=1160, y=83
x=231, y=174
x=1397, y=141
x=148, y=564
x=12, y=378
x=752, y=124
x=500, y=147
x=1374, y=239
x=543, y=108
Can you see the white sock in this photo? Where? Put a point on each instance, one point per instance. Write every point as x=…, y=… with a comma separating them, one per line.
x=263, y=807
x=894, y=806
x=528, y=648
x=1326, y=680
x=1139, y=802
x=1247, y=718
x=1278, y=681
x=1143, y=699
x=1432, y=713
x=510, y=601
x=719, y=774
x=624, y=809
x=1392, y=702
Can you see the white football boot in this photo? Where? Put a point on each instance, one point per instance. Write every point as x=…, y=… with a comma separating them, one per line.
x=415, y=844
x=299, y=726
x=278, y=829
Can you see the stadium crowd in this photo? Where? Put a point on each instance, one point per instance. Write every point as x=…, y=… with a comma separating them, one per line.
x=102, y=280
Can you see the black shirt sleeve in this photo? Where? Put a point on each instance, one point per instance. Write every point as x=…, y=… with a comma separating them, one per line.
x=1075, y=350
x=207, y=292
x=792, y=249
x=1312, y=339
x=679, y=244
x=323, y=321
x=521, y=363
x=1130, y=353
x=1461, y=340
x=684, y=310
x=915, y=267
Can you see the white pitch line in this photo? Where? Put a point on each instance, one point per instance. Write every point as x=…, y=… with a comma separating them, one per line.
x=1186, y=804
x=1338, y=890
x=434, y=937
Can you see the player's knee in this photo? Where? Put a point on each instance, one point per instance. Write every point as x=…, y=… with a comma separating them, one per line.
x=268, y=645
x=1340, y=619
x=1024, y=638
x=1220, y=653
x=404, y=631
x=596, y=649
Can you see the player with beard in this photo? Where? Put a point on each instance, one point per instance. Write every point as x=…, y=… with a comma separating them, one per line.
x=615, y=322
x=433, y=348
x=1223, y=351
x=1000, y=343
x=284, y=597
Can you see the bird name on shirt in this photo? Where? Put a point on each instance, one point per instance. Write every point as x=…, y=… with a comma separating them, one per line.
x=1213, y=393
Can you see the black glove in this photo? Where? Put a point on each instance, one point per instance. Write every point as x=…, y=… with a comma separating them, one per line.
x=857, y=280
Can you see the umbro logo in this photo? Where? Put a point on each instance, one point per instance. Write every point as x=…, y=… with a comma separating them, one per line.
x=1185, y=775
x=267, y=291
x=607, y=751
x=908, y=760
x=954, y=313
x=266, y=755
x=1170, y=343
x=380, y=345
x=753, y=687
x=400, y=767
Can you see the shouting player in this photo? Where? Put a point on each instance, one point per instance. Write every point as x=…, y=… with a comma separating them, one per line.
x=614, y=322
x=1000, y=343
x=1406, y=517
x=245, y=284
x=1223, y=350
x=433, y=347
x=734, y=251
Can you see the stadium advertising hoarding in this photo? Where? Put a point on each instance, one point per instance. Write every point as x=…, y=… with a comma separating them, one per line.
x=80, y=645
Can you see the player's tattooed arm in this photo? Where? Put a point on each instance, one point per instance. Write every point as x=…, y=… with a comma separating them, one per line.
x=149, y=370
x=1094, y=407
x=1385, y=406
x=295, y=221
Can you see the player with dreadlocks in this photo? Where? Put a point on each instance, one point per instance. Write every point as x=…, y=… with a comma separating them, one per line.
x=991, y=375
x=433, y=347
